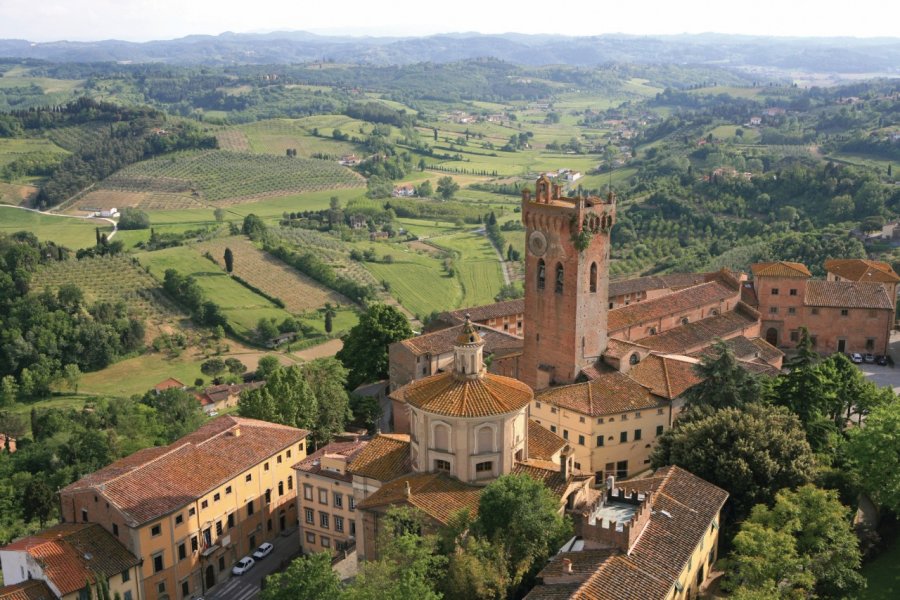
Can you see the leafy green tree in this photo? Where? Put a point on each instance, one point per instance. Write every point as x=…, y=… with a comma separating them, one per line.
x=229, y=260
x=447, y=187
x=425, y=190
x=267, y=365
x=178, y=412
x=235, y=366
x=72, y=375
x=767, y=451
x=804, y=543
x=38, y=500
x=12, y=426
x=476, y=570
x=328, y=378
x=253, y=227
x=212, y=367
x=873, y=452
x=219, y=215
x=365, y=351
x=520, y=515
x=133, y=218
x=9, y=390
x=287, y=398
x=725, y=384
x=306, y=578
x=266, y=330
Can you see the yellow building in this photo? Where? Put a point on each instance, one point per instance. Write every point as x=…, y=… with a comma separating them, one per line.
x=654, y=538
x=325, y=496
x=64, y=559
x=191, y=509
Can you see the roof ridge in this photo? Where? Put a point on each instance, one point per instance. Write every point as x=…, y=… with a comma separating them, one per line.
x=666, y=375
x=172, y=448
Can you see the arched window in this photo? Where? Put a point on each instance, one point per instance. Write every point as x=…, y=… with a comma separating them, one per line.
x=685, y=321
x=634, y=358
x=484, y=440
x=559, y=278
x=714, y=312
x=593, y=278
x=441, y=439
x=541, y=274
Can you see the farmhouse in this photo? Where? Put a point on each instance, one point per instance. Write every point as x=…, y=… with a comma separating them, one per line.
x=217, y=398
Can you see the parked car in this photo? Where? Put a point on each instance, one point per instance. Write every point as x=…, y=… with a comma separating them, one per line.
x=869, y=358
x=856, y=358
x=881, y=360
x=263, y=551
x=243, y=565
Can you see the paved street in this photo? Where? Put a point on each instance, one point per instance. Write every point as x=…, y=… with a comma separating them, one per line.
x=246, y=587
x=886, y=376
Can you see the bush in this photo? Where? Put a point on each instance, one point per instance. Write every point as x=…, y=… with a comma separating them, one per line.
x=132, y=218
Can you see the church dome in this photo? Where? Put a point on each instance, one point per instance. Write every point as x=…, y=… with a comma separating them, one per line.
x=450, y=395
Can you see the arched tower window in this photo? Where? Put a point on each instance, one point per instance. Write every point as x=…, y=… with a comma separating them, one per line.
x=559, y=278
x=593, y=278
x=541, y=274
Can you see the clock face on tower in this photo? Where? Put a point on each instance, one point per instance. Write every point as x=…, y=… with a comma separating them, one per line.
x=537, y=243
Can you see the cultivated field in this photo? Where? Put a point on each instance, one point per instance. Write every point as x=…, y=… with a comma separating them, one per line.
x=15, y=194
x=298, y=292
x=11, y=149
x=66, y=231
x=105, y=198
x=113, y=279
x=274, y=136
x=220, y=175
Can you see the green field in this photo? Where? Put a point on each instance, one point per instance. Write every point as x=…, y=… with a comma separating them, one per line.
x=275, y=136
x=66, y=231
x=883, y=575
x=477, y=266
x=728, y=132
x=417, y=281
x=217, y=175
x=242, y=307
x=13, y=148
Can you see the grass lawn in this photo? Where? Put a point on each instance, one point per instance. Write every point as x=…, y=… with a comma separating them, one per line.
x=69, y=232
x=477, y=267
x=417, y=281
x=883, y=575
x=139, y=374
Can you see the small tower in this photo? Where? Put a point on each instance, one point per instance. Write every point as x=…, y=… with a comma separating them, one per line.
x=566, y=282
x=468, y=353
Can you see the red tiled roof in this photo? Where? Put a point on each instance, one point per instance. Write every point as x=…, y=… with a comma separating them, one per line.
x=686, y=338
x=156, y=481
x=458, y=396
x=667, y=376
x=684, y=507
x=442, y=341
x=610, y=393
x=672, y=281
x=33, y=589
x=846, y=294
x=168, y=384
x=384, y=458
x=217, y=393
x=497, y=310
x=781, y=268
x=438, y=495
x=857, y=269
x=72, y=553
x=547, y=473
x=676, y=302
x=745, y=348
x=312, y=464
x=542, y=443
x=621, y=348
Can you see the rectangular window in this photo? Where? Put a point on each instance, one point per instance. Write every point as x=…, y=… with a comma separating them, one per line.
x=622, y=418
x=622, y=469
x=484, y=467
x=338, y=500
x=795, y=336
x=339, y=524
x=157, y=562
x=793, y=292
x=310, y=515
x=290, y=482
x=872, y=314
x=637, y=434
x=161, y=587
x=268, y=496
x=323, y=496
x=265, y=466
x=216, y=497
x=310, y=537
x=565, y=434
x=300, y=447
x=792, y=310
x=115, y=529
x=774, y=291
x=326, y=542
x=194, y=543
x=773, y=310
x=250, y=508
x=659, y=430
x=599, y=440
x=307, y=492
x=185, y=589
x=581, y=440
x=155, y=530
x=441, y=465
x=127, y=595
x=228, y=489
x=637, y=415
x=278, y=460
x=323, y=520
x=659, y=411
x=126, y=575
x=623, y=437
x=192, y=511
x=581, y=419
x=288, y=453
x=218, y=528
x=599, y=420
x=231, y=521
x=352, y=503
x=553, y=428
x=815, y=311
x=845, y=312
x=204, y=504
x=353, y=528
x=179, y=519
x=870, y=344
x=182, y=551
x=249, y=477
x=553, y=410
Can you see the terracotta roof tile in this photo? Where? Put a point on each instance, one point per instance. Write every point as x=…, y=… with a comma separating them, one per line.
x=451, y=395
x=157, y=481
x=497, y=310
x=667, y=376
x=547, y=473
x=438, y=495
x=168, y=384
x=442, y=341
x=781, y=268
x=745, y=348
x=33, y=589
x=686, y=338
x=312, y=464
x=857, y=269
x=611, y=393
x=384, y=458
x=543, y=444
x=672, y=281
x=846, y=294
x=616, y=348
x=684, y=506
x=71, y=553
x=698, y=295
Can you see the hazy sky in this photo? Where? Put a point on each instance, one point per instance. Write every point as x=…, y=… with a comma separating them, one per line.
x=141, y=20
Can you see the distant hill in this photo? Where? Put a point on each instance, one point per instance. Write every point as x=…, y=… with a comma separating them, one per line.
x=841, y=55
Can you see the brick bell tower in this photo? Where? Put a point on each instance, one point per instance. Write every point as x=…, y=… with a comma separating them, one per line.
x=566, y=283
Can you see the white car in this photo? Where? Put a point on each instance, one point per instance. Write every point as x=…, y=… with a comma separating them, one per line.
x=856, y=358
x=263, y=551
x=243, y=565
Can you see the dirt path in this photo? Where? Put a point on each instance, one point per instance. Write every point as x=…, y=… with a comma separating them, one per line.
x=329, y=348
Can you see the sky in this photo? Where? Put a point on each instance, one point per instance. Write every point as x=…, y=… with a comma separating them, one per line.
x=142, y=20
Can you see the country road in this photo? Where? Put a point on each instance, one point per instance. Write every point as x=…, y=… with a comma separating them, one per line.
x=52, y=214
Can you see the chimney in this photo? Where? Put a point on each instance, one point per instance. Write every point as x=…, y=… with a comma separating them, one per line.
x=567, y=565
x=236, y=432
x=408, y=491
